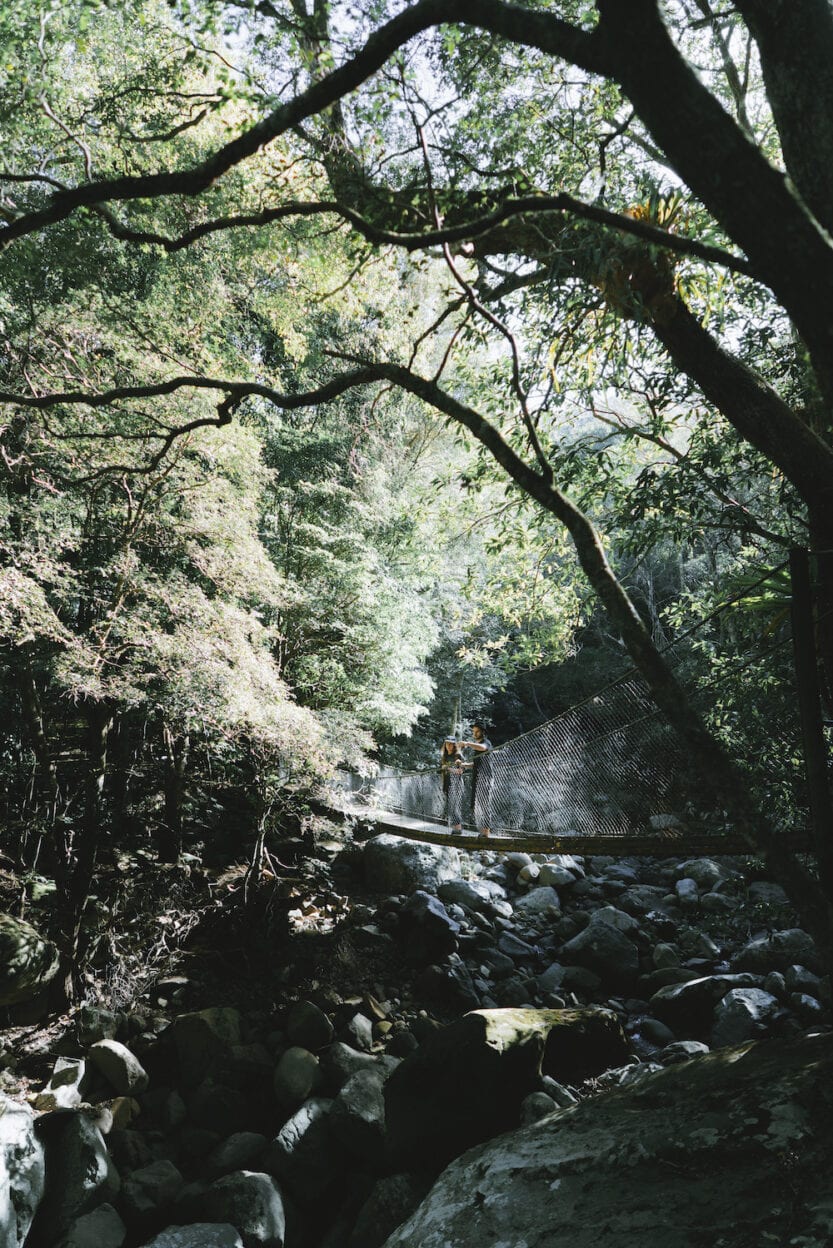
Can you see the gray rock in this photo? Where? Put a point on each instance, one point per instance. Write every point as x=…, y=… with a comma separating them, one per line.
x=251, y=1202
x=606, y=951
x=682, y=1051
x=359, y=1032
x=554, y=875
x=640, y=899
x=690, y=1006
x=704, y=871
x=475, y=895
x=66, y=1086
x=708, y=1168
x=538, y=906
x=122, y=1070
x=21, y=1172
x=767, y=893
x=151, y=1189
x=656, y=1032
x=218, y=1108
x=688, y=893
x=529, y=874
x=204, y=1040
x=427, y=929
x=94, y=1023
x=536, y=1106
x=79, y=1173
x=392, y=1200
x=340, y=1061
x=357, y=1117
x=308, y=1027
x=239, y=1152
x=435, y=1104
x=395, y=865
x=799, y=979
x=557, y=1092
x=28, y=963
x=198, y=1235
x=102, y=1228
x=615, y=917
x=297, y=1076
x=777, y=952
x=515, y=948
x=719, y=903
x=665, y=955
x=302, y=1157
x=808, y=1008
x=741, y=1015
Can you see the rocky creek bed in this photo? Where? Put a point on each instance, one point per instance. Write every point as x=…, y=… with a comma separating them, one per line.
x=481, y=1049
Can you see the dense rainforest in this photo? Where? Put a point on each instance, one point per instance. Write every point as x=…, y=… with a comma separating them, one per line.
x=366, y=367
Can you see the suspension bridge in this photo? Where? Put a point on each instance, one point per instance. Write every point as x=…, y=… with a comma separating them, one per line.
x=605, y=776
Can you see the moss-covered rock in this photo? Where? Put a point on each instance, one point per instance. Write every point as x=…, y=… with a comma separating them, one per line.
x=27, y=962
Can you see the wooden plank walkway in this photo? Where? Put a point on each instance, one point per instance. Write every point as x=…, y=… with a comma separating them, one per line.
x=679, y=844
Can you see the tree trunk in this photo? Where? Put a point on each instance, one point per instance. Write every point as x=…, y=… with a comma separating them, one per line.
x=169, y=840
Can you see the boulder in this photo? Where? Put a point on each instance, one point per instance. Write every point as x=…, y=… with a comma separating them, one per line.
x=79, y=1173
x=467, y=1081
x=357, y=1117
x=691, y=1005
x=538, y=906
x=742, y=1014
x=153, y=1188
x=120, y=1068
x=778, y=951
x=705, y=872
x=27, y=962
x=395, y=865
x=199, y=1235
x=297, y=1076
x=476, y=895
x=203, y=1040
x=426, y=928
x=308, y=1026
x=251, y=1202
x=392, y=1200
x=605, y=950
x=705, y=1167
x=66, y=1086
x=94, y=1023
x=302, y=1157
x=21, y=1172
x=238, y=1152
x=102, y=1228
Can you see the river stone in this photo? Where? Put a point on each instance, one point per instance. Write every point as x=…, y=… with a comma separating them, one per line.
x=539, y=904
x=302, y=1157
x=102, y=1228
x=473, y=894
x=297, y=1076
x=152, y=1188
x=742, y=1014
x=688, y=894
x=79, y=1173
x=558, y=877
x=198, y=1235
x=641, y=899
x=392, y=1200
x=704, y=871
x=691, y=1005
x=203, y=1040
x=606, y=951
x=28, y=962
x=251, y=1202
x=122, y=1070
x=467, y=1081
x=308, y=1026
x=767, y=893
x=777, y=952
x=238, y=1152
x=92, y=1023
x=707, y=1165
x=617, y=918
x=66, y=1085
x=21, y=1172
x=395, y=865
x=357, y=1117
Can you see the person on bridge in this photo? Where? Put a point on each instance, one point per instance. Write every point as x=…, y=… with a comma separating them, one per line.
x=451, y=769
x=481, y=779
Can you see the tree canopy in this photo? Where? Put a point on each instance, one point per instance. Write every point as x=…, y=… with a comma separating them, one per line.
x=286, y=283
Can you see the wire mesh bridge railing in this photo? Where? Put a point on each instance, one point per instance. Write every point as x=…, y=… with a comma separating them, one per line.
x=609, y=774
